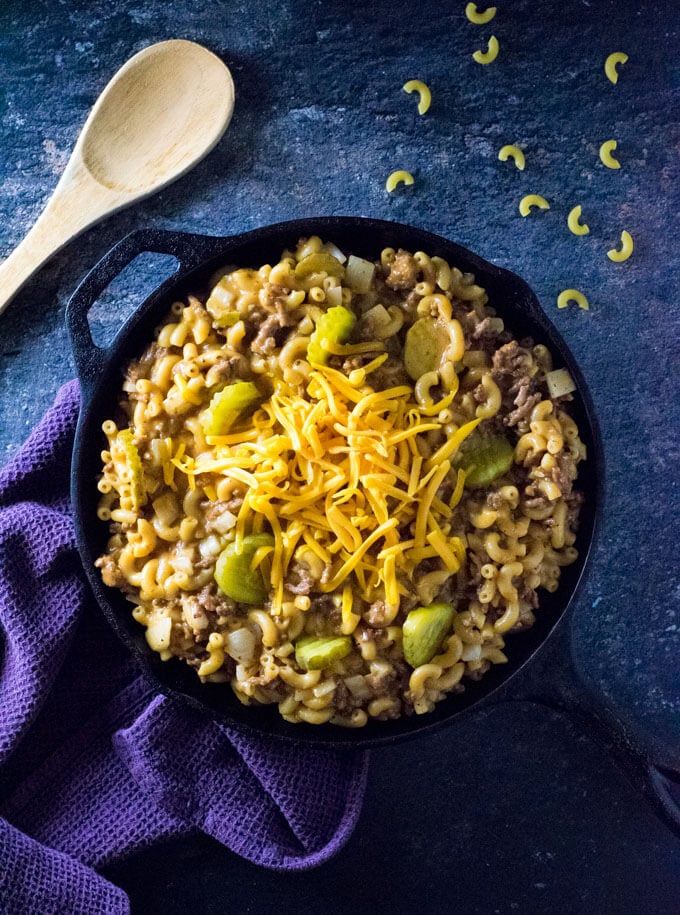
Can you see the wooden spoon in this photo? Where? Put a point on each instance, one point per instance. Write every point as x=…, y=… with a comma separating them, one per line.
x=162, y=112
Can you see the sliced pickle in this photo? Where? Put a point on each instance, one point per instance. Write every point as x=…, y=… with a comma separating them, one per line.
x=424, y=631
x=226, y=405
x=312, y=653
x=335, y=325
x=484, y=458
x=234, y=574
x=426, y=343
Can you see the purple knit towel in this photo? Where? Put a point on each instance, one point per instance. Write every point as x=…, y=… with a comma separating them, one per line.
x=95, y=764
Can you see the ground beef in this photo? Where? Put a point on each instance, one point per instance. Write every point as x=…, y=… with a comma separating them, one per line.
x=211, y=601
x=511, y=365
x=564, y=472
x=213, y=510
x=512, y=371
x=376, y=615
x=403, y=271
x=265, y=340
x=300, y=579
x=524, y=403
x=111, y=574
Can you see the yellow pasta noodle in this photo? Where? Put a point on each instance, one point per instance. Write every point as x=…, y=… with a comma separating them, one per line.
x=606, y=157
x=397, y=178
x=512, y=152
x=572, y=295
x=530, y=201
x=618, y=255
x=488, y=56
x=425, y=99
x=612, y=62
x=479, y=17
x=574, y=223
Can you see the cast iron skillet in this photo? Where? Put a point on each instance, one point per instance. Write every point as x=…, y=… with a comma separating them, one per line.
x=550, y=678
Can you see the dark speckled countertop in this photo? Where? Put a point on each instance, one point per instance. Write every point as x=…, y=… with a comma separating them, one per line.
x=508, y=810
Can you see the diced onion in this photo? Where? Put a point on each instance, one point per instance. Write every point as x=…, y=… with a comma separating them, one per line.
x=224, y=522
x=358, y=687
x=334, y=296
x=240, y=645
x=472, y=653
x=330, y=248
x=559, y=383
x=210, y=546
x=359, y=274
x=158, y=633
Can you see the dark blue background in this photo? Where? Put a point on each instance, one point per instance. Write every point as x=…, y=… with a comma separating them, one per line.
x=506, y=811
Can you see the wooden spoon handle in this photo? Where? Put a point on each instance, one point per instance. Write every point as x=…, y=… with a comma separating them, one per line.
x=78, y=201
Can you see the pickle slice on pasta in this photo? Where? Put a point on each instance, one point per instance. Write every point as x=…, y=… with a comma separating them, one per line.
x=334, y=325
x=234, y=572
x=226, y=406
x=424, y=630
x=312, y=653
x=134, y=464
x=484, y=458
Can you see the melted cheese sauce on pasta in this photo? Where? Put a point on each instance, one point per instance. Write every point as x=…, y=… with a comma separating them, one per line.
x=353, y=466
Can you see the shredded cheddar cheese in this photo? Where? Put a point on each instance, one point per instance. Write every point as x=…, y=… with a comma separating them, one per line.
x=339, y=470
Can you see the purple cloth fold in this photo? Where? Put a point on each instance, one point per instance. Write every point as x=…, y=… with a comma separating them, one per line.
x=95, y=764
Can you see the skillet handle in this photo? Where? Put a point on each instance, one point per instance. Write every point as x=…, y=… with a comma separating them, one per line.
x=190, y=251
x=553, y=681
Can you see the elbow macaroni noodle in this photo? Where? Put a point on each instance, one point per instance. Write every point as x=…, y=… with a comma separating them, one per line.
x=491, y=53
x=514, y=153
x=574, y=223
x=606, y=156
x=425, y=97
x=353, y=467
x=478, y=17
x=572, y=295
x=396, y=178
x=612, y=62
x=624, y=252
x=532, y=200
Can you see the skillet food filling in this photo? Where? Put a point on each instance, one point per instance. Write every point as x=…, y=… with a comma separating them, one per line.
x=337, y=485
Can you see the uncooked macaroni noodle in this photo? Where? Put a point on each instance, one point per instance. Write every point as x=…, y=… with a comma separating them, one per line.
x=479, y=17
x=491, y=53
x=606, y=156
x=572, y=295
x=612, y=62
x=397, y=178
x=532, y=200
x=574, y=223
x=514, y=153
x=624, y=252
x=425, y=97
x=337, y=485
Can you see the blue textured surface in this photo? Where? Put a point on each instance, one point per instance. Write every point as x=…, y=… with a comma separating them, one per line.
x=496, y=815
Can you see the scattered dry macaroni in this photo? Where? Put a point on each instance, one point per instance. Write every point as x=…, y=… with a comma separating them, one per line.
x=573, y=221
x=337, y=485
x=532, y=200
x=416, y=85
x=491, y=53
x=397, y=178
x=572, y=295
x=624, y=252
x=477, y=17
x=606, y=157
x=611, y=63
x=514, y=153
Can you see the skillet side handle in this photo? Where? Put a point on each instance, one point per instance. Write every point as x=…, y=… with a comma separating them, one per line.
x=190, y=251
x=554, y=682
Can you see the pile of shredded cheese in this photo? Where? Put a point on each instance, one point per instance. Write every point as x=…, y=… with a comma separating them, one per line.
x=337, y=466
